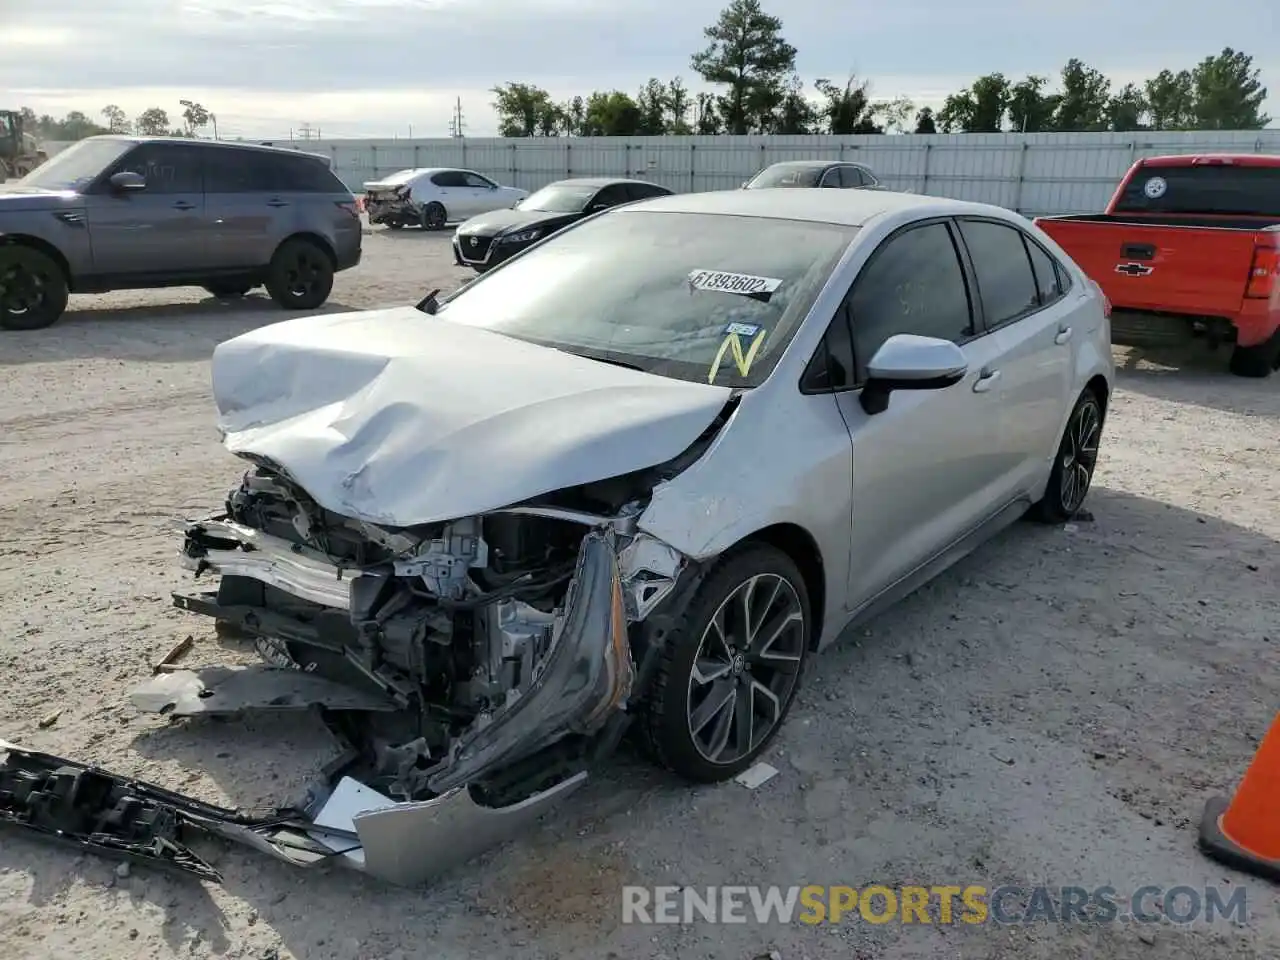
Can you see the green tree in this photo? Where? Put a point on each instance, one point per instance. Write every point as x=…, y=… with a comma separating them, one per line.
x=195, y=115
x=706, y=116
x=117, y=120
x=1031, y=109
x=748, y=55
x=978, y=109
x=1228, y=93
x=76, y=126
x=679, y=106
x=652, y=103
x=925, y=122
x=612, y=114
x=521, y=109
x=152, y=122
x=847, y=109
x=1171, y=100
x=1086, y=94
x=1127, y=109
x=574, y=113
x=795, y=114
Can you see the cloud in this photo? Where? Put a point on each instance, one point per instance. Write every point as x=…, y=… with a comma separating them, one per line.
x=374, y=67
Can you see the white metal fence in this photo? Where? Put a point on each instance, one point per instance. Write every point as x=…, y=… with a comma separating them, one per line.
x=1035, y=174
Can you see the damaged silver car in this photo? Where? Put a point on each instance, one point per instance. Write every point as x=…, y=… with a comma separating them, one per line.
x=629, y=479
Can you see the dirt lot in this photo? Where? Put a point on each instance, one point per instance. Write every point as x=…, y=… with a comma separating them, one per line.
x=1054, y=710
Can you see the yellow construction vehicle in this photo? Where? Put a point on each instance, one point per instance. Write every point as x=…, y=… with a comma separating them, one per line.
x=19, y=152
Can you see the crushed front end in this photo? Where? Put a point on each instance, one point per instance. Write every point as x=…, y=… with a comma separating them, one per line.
x=473, y=670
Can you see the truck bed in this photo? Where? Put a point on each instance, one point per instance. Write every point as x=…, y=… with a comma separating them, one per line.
x=1191, y=265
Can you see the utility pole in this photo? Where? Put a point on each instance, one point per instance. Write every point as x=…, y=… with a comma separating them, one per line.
x=457, y=124
x=306, y=133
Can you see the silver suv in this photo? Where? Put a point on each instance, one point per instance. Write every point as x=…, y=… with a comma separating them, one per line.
x=119, y=213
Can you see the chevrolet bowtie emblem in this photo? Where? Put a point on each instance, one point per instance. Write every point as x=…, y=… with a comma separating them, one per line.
x=1133, y=269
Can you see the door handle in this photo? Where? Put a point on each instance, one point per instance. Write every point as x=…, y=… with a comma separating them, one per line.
x=986, y=380
x=277, y=203
x=183, y=205
x=1064, y=334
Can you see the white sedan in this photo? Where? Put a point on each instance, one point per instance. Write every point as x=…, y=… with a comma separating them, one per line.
x=432, y=197
x=637, y=474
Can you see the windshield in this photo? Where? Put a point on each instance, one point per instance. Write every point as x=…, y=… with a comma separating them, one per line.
x=784, y=176
x=559, y=198
x=701, y=297
x=77, y=166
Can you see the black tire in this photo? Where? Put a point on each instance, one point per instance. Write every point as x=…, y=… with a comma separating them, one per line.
x=227, y=291
x=1257, y=361
x=33, y=289
x=666, y=726
x=300, y=276
x=1074, y=463
x=434, y=216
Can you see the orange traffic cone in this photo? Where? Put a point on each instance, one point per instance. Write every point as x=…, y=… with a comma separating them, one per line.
x=1244, y=832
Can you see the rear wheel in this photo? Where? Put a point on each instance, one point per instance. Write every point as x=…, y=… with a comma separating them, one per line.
x=1072, y=473
x=1257, y=361
x=33, y=289
x=730, y=668
x=300, y=276
x=434, y=216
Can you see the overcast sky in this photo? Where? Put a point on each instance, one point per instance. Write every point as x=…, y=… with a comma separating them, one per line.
x=389, y=67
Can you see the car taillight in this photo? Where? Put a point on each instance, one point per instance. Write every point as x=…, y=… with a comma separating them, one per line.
x=1264, y=270
x=352, y=207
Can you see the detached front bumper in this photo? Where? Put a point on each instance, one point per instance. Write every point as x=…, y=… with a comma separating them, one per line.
x=123, y=818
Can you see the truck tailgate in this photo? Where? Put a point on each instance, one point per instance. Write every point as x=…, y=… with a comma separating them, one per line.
x=1198, y=270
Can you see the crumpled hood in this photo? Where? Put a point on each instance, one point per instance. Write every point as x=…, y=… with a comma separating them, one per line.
x=400, y=418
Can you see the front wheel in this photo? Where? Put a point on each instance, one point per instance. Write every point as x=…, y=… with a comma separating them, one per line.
x=300, y=276
x=1073, y=467
x=730, y=668
x=33, y=289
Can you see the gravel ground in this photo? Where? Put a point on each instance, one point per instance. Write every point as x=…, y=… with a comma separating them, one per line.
x=1055, y=709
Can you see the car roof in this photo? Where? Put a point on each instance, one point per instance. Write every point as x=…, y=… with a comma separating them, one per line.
x=813, y=164
x=211, y=144
x=1212, y=159
x=852, y=208
x=601, y=181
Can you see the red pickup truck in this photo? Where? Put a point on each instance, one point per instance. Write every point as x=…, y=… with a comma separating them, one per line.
x=1189, y=244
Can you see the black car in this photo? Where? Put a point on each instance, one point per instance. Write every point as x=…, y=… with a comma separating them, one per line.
x=488, y=239
x=813, y=173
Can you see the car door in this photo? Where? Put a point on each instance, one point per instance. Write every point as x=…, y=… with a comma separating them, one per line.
x=451, y=189
x=851, y=177
x=243, y=204
x=831, y=178
x=923, y=470
x=157, y=230
x=1033, y=334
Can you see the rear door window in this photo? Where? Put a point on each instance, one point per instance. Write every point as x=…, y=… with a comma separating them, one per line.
x=611, y=195
x=256, y=171
x=475, y=180
x=449, y=178
x=1206, y=188
x=851, y=177
x=641, y=191
x=1005, y=281
x=1049, y=275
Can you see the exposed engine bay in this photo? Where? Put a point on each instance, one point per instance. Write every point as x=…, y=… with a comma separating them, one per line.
x=498, y=645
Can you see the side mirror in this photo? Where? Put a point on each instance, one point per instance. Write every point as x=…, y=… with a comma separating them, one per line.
x=908, y=362
x=127, y=181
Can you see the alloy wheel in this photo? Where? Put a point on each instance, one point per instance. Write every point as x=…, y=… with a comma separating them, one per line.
x=746, y=668
x=1079, y=454
x=303, y=274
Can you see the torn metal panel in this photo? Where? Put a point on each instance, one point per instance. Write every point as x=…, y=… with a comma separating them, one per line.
x=395, y=418
x=584, y=678
x=230, y=691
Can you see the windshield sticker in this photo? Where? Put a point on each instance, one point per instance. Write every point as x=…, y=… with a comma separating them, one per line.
x=743, y=329
x=1155, y=188
x=733, y=344
x=743, y=284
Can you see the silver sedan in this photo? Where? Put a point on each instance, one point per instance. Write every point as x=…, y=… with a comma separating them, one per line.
x=632, y=479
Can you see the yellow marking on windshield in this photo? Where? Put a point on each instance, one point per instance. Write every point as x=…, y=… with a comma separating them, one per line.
x=733, y=342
